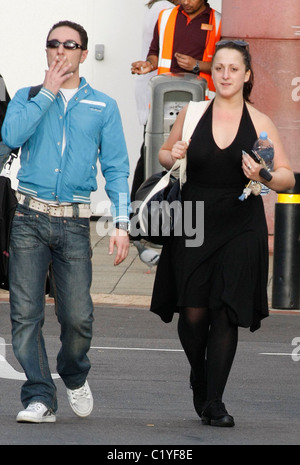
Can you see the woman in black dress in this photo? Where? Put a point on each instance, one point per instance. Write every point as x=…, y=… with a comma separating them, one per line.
x=222, y=284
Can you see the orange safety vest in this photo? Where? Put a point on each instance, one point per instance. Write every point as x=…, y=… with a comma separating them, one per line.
x=166, y=28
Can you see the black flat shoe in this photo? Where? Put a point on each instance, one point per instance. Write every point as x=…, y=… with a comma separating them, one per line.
x=215, y=414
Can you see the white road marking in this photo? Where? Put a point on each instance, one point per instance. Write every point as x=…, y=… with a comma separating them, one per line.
x=275, y=353
x=137, y=348
x=6, y=370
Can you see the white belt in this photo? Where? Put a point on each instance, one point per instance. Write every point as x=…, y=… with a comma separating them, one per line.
x=67, y=211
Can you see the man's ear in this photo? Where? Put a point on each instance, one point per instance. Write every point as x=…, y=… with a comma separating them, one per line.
x=84, y=55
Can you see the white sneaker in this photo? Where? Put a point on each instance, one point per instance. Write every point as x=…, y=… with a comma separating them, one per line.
x=81, y=400
x=36, y=412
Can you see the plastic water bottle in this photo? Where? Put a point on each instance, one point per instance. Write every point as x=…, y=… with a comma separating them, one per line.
x=265, y=149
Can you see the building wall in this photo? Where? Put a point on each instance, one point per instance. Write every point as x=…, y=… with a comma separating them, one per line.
x=275, y=50
x=117, y=25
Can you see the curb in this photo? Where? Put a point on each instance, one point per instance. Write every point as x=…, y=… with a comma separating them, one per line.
x=104, y=299
x=137, y=301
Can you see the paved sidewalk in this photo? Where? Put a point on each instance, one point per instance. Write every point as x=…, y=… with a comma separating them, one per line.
x=128, y=284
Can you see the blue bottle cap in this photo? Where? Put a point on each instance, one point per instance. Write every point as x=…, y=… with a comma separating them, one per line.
x=263, y=135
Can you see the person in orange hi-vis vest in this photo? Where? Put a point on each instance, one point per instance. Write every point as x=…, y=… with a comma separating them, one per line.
x=184, y=40
x=142, y=89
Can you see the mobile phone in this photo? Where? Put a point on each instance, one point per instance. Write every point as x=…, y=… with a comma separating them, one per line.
x=255, y=156
x=264, y=173
x=252, y=155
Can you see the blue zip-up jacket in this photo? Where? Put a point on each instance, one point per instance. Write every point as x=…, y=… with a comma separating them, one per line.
x=88, y=127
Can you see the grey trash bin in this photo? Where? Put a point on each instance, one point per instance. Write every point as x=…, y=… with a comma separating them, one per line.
x=169, y=94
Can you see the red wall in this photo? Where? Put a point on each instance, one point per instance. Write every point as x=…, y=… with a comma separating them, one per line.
x=272, y=29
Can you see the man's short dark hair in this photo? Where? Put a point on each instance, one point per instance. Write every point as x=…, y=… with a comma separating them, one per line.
x=82, y=32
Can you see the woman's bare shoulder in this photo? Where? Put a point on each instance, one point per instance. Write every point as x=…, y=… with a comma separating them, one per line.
x=261, y=121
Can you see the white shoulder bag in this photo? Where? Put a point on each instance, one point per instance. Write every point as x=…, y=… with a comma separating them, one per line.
x=194, y=113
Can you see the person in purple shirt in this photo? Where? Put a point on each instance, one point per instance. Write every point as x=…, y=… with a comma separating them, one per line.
x=193, y=36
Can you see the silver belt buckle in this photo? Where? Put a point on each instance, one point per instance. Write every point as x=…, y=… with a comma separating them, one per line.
x=56, y=210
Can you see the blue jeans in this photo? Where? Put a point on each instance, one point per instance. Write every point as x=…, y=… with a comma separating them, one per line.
x=36, y=241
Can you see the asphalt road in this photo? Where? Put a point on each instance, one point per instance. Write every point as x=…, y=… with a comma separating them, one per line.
x=139, y=379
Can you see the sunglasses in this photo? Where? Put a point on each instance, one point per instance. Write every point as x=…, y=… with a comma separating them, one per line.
x=239, y=42
x=68, y=45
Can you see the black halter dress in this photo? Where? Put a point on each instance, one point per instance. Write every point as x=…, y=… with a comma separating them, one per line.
x=230, y=268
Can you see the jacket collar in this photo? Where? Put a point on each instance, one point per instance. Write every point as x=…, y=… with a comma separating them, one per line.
x=82, y=92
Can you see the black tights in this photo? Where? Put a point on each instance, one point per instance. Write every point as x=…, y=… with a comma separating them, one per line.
x=208, y=334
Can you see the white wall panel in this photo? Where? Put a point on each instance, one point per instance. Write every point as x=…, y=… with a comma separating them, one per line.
x=117, y=25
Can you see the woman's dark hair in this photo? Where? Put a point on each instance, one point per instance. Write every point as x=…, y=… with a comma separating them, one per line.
x=244, y=51
x=82, y=32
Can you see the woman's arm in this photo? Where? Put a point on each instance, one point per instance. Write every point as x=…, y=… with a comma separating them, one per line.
x=174, y=147
x=282, y=174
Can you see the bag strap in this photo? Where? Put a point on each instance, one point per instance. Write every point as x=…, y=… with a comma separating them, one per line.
x=9, y=162
x=33, y=91
x=193, y=115
x=5, y=151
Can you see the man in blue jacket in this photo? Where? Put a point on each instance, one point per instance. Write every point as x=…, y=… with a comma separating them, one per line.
x=62, y=131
